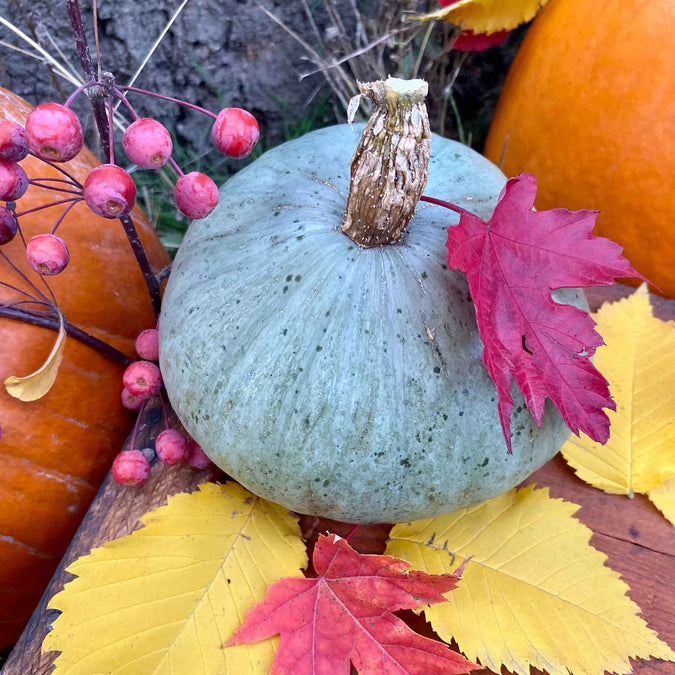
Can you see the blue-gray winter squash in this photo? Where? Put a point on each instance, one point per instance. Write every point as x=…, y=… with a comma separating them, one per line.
x=342, y=381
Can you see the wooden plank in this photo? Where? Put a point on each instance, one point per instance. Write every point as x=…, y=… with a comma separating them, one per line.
x=114, y=513
x=639, y=542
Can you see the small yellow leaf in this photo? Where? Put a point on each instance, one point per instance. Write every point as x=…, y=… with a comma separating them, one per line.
x=487, y=16
x=663, y=498
x=165, y=598
x=37, y=384
x=534, y=592
x=638, y=360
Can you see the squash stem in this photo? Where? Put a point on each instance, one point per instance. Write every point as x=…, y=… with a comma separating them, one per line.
x=389, y=167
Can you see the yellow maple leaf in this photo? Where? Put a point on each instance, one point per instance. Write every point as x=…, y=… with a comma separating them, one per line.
x=487, y=16
x=37, y=384
x=534, y=592
x=638, y=360
x=165, y=598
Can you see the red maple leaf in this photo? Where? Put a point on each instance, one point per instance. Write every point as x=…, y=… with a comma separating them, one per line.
x=512, y=263
x=346, y=615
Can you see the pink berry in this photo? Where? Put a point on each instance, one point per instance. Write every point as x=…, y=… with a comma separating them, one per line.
x=131, y=467
x=235, y=132
x=47, y=254
x=147, y=344
x=142, y=379
x=171, y=446
x=131, y=402
x=13, y=181
x=109, y=191
x=196, y=195
x=147, y=143
x=196, y=457
x=53, y=132
x=13, y=146
x=7, y=225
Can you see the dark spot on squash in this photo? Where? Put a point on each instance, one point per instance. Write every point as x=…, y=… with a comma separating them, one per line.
x=424, y=275
x=485, y=461
x=634, y=532
x=437, y=369
x=319, y=348
x=405, y=462
x=298, y=277
x=285, y=288
x=289, y=277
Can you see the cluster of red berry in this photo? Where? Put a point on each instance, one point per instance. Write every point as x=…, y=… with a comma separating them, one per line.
x=54, y=134
x=142, y=380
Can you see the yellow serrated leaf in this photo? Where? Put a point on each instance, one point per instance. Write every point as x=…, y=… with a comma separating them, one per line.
x=638, y=360
x=165, y=598
x=663, y=497
x=487, y=16
x=534, y=592
x=37, y=384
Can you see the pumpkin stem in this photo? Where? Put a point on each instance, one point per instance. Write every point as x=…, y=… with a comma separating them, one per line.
x=389, y=167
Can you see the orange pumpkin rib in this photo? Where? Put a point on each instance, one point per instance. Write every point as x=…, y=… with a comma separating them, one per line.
x=55, y=452
x=589, y=107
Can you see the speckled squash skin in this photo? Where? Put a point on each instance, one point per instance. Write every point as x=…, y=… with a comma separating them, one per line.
x=338, y=381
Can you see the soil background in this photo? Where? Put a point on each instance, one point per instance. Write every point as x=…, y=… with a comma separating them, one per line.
x=231, y=53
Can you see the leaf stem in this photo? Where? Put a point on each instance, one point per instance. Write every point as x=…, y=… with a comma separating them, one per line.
x=132, y=443
x=54, y=165
x=23, y=276
x=351, y=532
x=75, y=332
x=170, y=98
x=47, y=206
x=59, y=220
x=447, y=205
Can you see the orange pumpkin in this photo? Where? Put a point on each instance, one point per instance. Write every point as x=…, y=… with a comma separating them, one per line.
x=589, y=107
x=54, y=452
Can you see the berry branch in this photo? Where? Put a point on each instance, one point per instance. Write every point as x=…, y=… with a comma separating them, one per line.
x=53, y=135
x=12, y=312
x=105, y=133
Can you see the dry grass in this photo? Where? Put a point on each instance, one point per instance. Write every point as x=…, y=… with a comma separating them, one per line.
x=366, y=41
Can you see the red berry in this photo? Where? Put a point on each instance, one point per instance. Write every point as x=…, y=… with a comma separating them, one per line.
x=235, y=132
x=147, y=344
x=47, y=254
x=7, y=225
x=131, y=402
x=13, y=181
x=171, y=446
x=196, y=195
x=13, y=146
x=131, y=467
x=53, y=132
x=109, y=191
x=196, y=457
x=147, y=143
x=142, y=379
